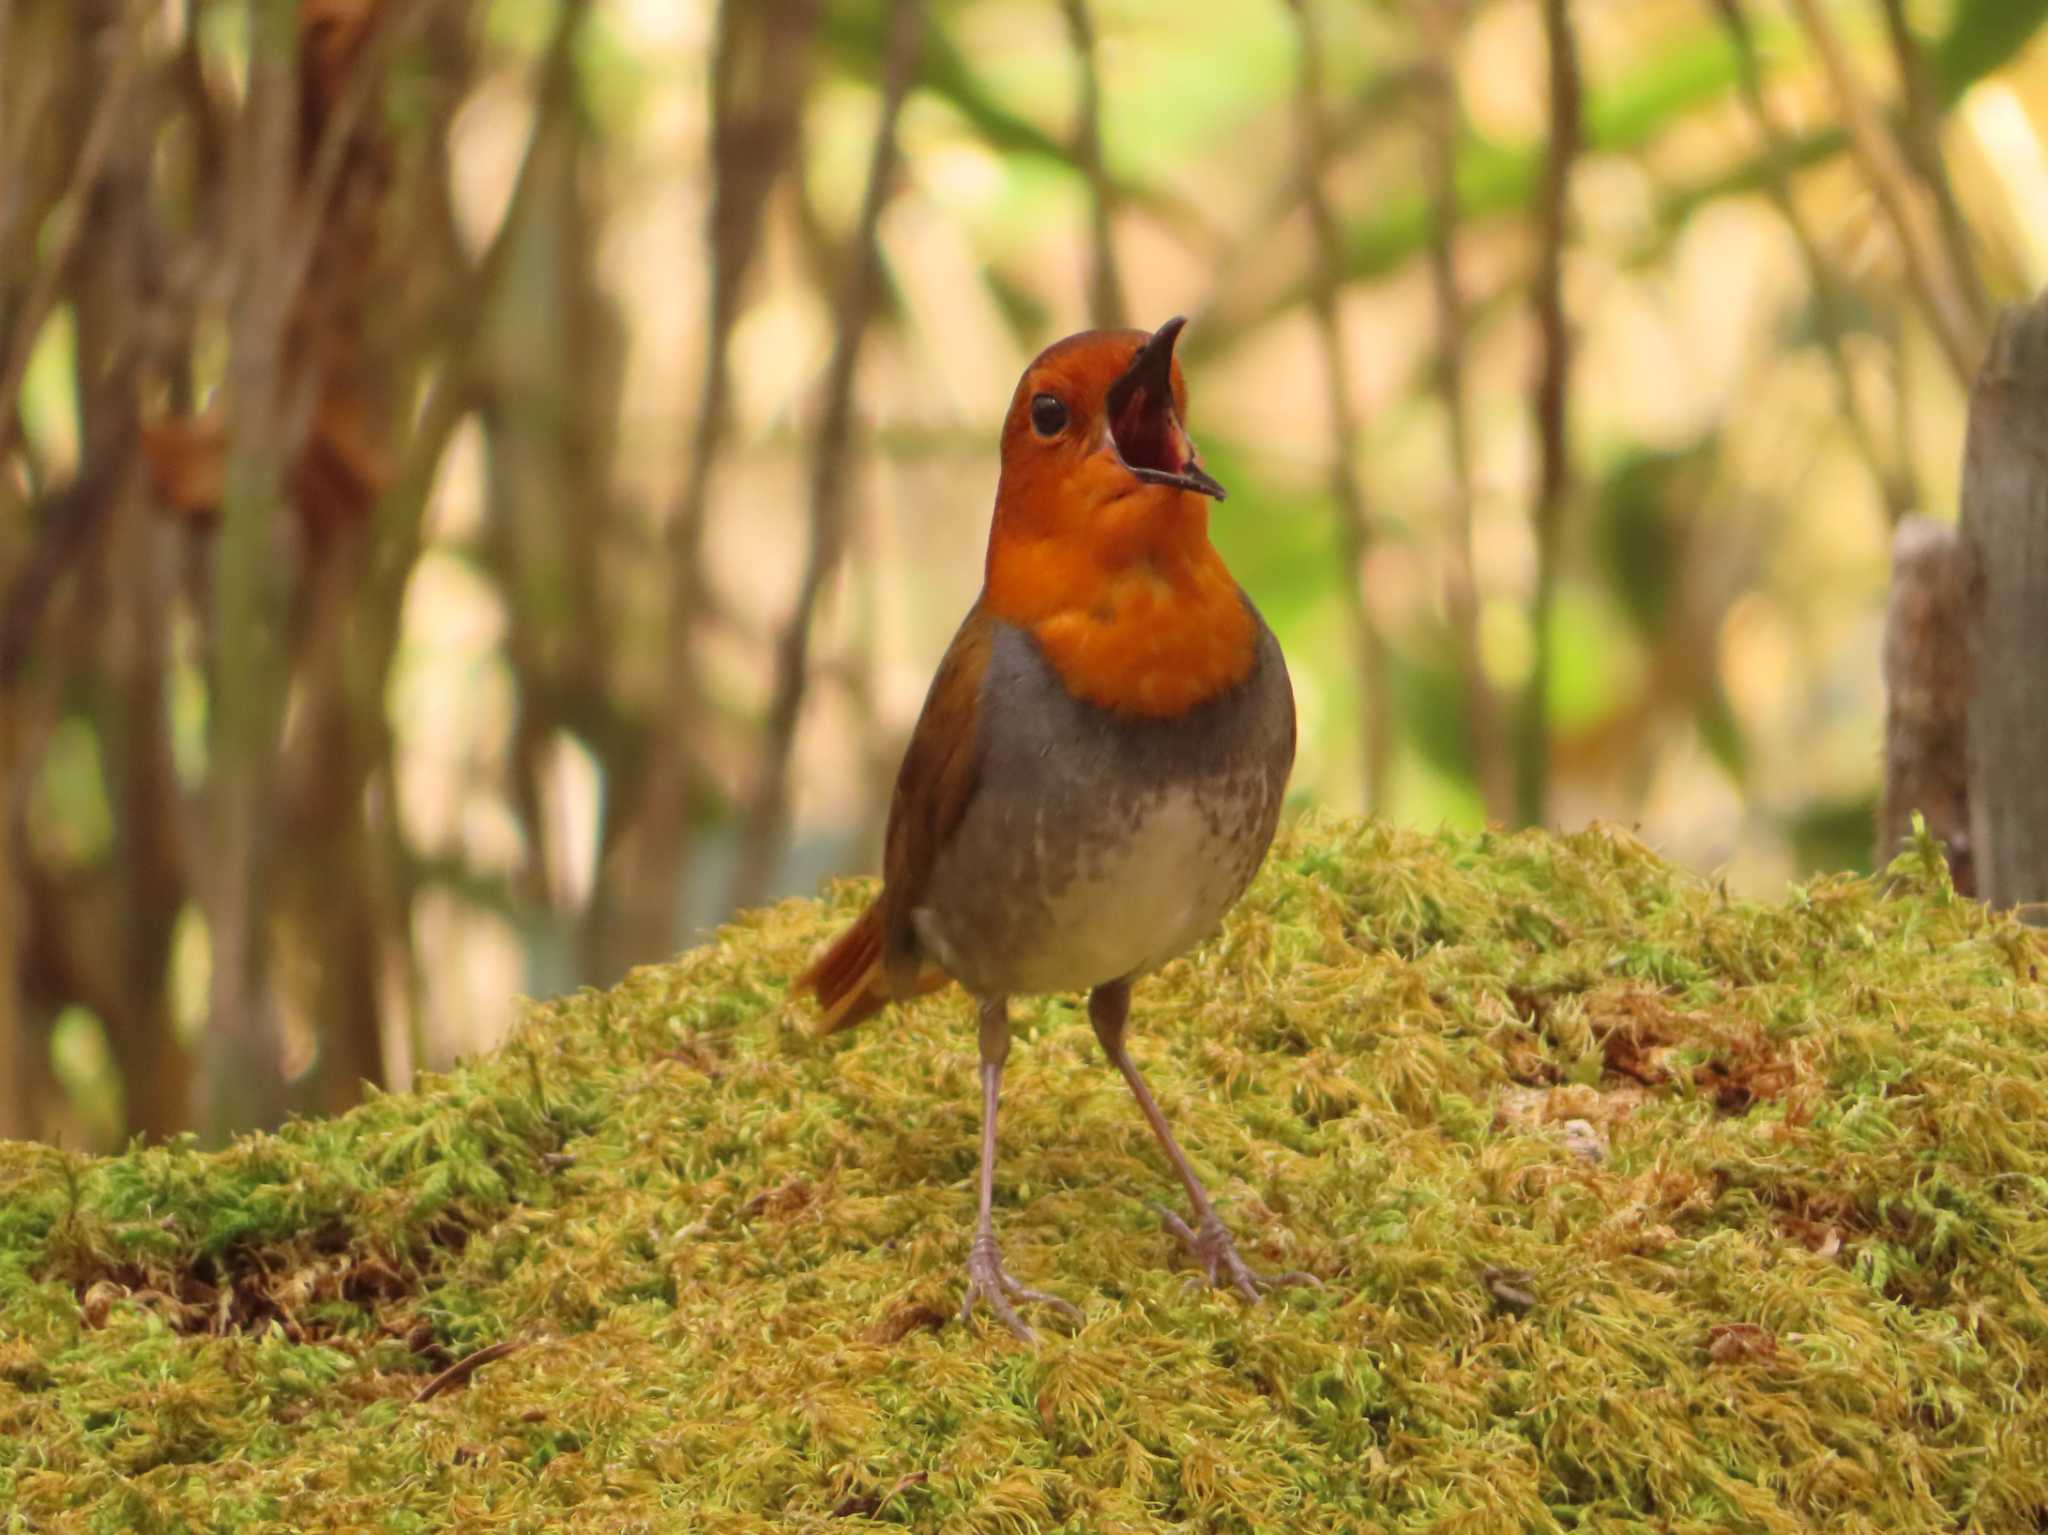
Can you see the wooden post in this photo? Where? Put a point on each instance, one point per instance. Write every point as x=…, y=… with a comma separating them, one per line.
x=1927, y=696
x=2004, y=537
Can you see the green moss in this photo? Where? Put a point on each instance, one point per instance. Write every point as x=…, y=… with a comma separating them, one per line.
x=1637, y=1208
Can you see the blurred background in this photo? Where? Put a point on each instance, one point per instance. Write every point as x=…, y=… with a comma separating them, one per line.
x=484, y=483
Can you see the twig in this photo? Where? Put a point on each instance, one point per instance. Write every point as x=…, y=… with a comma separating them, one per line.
x=765, y=829
x=1106, y=307
x=1830, y=309
x=458, y=1373
x=1923, y=148
x=1553, y=395
x=70, y=220
x=1928, y=272
x=1492, y=767
x=1355, y=531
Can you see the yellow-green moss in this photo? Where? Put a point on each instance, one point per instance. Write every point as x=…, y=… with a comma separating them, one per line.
x=1637, y=1208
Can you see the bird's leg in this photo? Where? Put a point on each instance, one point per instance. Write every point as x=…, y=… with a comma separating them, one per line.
x=987, y=1279
x=1209, y=1239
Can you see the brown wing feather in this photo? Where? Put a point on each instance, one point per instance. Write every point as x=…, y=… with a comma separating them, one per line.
x=940, y=769
x=877, y=959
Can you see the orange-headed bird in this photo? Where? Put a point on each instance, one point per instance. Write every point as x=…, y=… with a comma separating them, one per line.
x=1100, y=761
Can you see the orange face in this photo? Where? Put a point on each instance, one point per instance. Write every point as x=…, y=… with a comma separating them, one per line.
x=1100, y=543
x=1095, y=428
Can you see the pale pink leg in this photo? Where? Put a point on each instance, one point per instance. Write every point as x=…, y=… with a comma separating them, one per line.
x=987, y=1279
x=1209, y=1239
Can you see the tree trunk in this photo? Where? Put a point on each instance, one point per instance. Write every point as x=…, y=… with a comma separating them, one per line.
x=2005, y=550
x=1927, y=697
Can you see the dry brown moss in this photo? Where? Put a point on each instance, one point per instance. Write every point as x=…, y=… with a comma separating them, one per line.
x=1637, y=1208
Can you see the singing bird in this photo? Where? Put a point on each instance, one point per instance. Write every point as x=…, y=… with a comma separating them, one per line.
x=1100, y=761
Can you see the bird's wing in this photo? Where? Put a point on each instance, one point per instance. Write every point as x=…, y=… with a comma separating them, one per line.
x=876, y=960
x=941, y=767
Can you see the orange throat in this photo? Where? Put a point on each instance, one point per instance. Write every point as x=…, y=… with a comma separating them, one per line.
x=1152, y=626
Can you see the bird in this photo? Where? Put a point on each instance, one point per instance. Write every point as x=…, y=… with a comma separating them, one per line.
x=1099, y=764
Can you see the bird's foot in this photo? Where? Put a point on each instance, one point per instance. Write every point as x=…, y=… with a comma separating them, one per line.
x=1214, y=1249
x=989, y=1281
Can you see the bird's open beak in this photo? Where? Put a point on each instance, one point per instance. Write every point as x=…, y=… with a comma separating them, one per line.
x=1144, y=425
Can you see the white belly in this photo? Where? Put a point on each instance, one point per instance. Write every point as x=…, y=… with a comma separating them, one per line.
x=1129, y=902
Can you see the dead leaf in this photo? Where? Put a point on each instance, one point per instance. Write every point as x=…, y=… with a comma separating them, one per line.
x=906, y=1319
x=1741, y=1343
x=784, y=1199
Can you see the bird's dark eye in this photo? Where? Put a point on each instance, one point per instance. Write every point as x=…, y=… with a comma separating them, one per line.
x=1048, y=415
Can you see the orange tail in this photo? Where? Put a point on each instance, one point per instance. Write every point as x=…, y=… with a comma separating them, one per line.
x=848, y=978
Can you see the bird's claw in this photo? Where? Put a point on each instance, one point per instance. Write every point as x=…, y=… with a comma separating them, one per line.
x=1216, y=1252
x=988, y=1280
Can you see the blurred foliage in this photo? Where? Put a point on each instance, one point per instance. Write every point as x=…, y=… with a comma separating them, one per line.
x=414, y=441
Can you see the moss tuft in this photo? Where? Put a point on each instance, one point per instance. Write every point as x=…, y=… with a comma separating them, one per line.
x=1637, y=1207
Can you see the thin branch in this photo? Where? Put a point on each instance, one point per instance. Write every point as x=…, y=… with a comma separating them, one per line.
x=1928, y=272
x=1106, y=308
x=108, y=112
x=1355, y=532
x=458, y=1373
x=1923, y=149
x=765, y=828
x=1831, y=309
x=1492, y=766
x=1553, y=397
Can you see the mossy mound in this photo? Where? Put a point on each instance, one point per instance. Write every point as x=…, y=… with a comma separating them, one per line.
x=1636, y=1207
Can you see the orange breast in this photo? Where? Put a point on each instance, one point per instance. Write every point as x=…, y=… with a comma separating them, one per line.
x=1151, y=626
